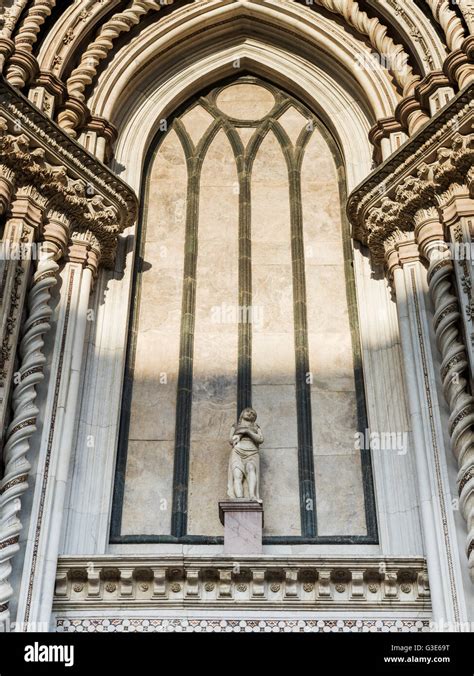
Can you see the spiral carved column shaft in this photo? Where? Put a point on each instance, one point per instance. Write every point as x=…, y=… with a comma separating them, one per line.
x=23, y=424
x=82, y=76
x=22, y=63
x=454, y=368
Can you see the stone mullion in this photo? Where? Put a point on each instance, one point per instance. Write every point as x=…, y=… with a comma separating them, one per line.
x=186, y=349
x=302, y=368
x=244, y=373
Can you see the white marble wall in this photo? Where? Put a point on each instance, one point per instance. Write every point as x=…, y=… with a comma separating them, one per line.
x=149, y=471
x=214, y=401
x=273, y=342
x=333, y=389
x=148, y=481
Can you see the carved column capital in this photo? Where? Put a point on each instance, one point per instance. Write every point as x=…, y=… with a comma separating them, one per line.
x=26, y=206
x=400, y=249
x=428, y=232
x=56, y=232
x=85, y=249
x=455, y=203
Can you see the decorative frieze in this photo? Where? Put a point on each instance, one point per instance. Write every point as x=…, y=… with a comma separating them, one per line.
x=263, y=582
x=56, y=187
x=396, y=209
x=227, y=625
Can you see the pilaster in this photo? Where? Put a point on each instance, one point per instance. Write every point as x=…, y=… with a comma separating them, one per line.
x=408, y=213
x=428, y=421
x=42, y=543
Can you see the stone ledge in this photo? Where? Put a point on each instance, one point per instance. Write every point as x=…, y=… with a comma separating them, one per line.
x=373, y=583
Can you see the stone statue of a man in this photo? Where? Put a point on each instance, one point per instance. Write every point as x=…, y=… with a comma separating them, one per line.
x=244, y=463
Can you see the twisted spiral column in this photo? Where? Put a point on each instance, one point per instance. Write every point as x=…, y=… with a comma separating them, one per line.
x=449, y=22
x=455, y=386
x=467, y=10
x=380, y=41
x=15, y=479
x=8, y=20
x=22, y=62
x=98, y=50
x=10, y=16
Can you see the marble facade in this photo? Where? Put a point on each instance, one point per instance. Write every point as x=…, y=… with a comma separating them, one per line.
x=217, y=314
x=162, y=173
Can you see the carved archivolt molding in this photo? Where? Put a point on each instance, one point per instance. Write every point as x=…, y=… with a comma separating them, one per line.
x=97, y=51
x=380, y=41
x=372, y=28
x=61, y=42
x=467, y=10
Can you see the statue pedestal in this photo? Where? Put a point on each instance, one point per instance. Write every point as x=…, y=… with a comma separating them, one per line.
x=243, y=524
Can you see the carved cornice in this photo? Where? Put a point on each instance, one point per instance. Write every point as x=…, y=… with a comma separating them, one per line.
x=246, y=582
x=415, y=176
x=66, y=176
